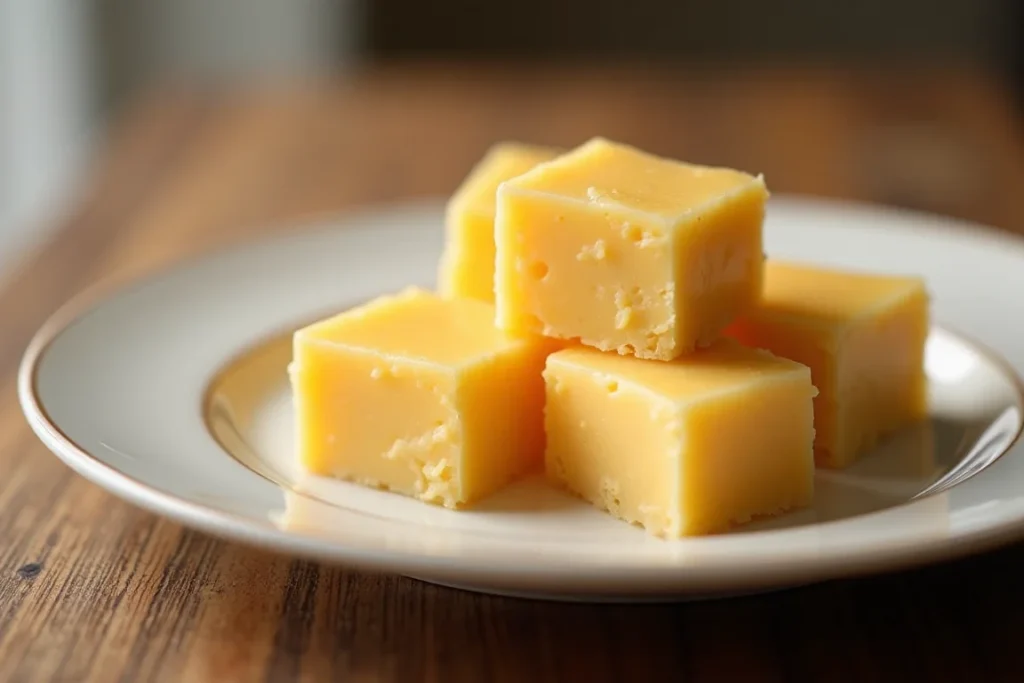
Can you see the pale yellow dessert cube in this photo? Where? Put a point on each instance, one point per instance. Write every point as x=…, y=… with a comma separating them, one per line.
x=684, y=447
x=863, y=336
x=627, y=251
x=419, y=395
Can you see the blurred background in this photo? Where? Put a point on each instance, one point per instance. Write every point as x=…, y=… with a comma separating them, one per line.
x=69, y=69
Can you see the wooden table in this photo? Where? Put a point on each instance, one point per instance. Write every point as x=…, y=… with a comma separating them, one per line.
x=93, y=589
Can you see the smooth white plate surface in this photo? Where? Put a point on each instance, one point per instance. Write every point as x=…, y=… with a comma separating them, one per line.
x=172, y=394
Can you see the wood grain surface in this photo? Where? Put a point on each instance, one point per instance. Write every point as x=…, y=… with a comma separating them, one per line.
x=93, y=589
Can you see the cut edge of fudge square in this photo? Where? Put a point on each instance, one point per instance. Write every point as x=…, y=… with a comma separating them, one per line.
x=653, y=268
x=399, y=394
x=863, y=334
x=688, y=447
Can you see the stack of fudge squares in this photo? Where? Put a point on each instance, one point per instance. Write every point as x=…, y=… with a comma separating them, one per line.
x=609, y=316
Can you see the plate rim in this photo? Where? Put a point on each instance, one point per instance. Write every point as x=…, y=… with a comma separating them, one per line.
x=231, y=526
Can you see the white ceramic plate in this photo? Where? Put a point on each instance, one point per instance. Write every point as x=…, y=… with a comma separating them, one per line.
x=173, y=395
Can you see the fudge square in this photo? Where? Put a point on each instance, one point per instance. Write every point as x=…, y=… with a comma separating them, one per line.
x=626, y=251
x=863, y=336
x=467, y=262
x=685, y=447
x=419, y=395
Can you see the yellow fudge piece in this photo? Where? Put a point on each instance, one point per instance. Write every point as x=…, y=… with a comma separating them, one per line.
x=467, y=263
x=684, y=447
x=627, y=251
x=862, y=335
x=420, y=395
